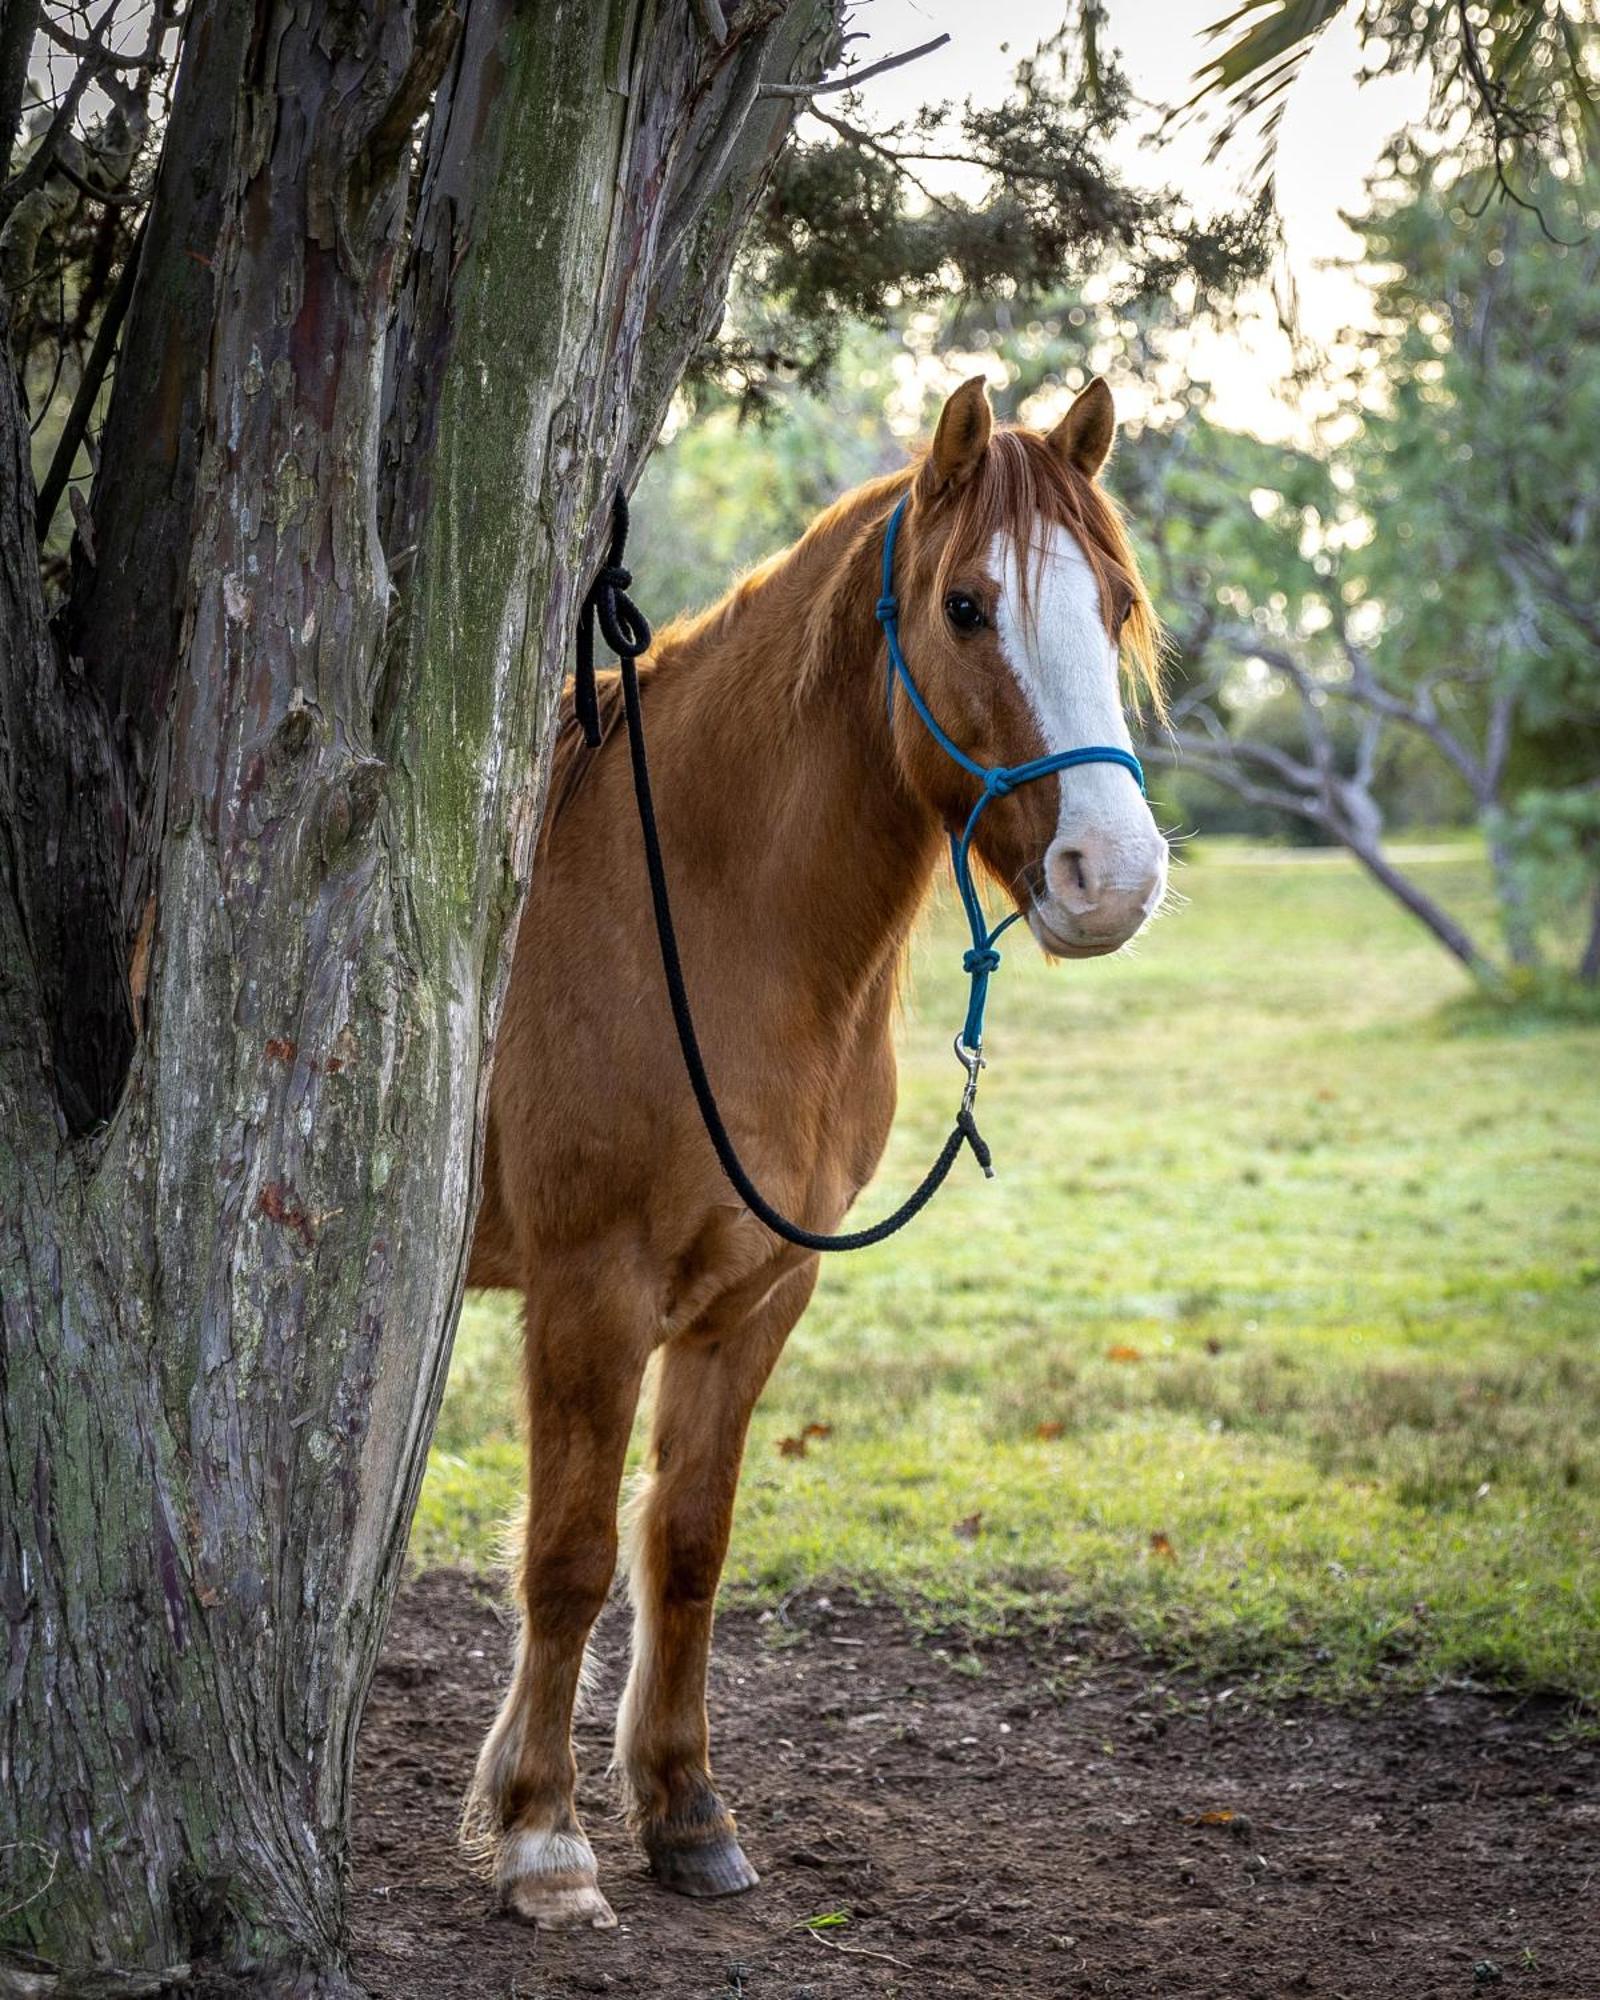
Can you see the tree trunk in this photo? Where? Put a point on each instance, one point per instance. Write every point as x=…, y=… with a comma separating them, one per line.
x=1589, y=963
x=1516, y=921
x=1457, y=941
x=225, y=1315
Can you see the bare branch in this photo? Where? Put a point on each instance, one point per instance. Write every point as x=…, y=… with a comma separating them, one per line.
x=1497, y=741
x=81, y=45
x=1367, y=750
x=1366, y=691
x=43, y=156
x=855, y=76
x=1188, y=753
x=113, y=197
x=94, y=374
x=1358, y=833
x=711, y=17
x=871, y=144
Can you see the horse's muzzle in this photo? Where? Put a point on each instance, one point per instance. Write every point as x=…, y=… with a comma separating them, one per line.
x=1098, y=893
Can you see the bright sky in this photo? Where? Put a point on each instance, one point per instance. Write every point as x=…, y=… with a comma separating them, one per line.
x=1330, y=140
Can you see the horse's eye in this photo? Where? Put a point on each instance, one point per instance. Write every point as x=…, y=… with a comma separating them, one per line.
x=965, y=613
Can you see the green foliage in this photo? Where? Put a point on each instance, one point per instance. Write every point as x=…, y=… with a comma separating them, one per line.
x=1435, y=568
x=1518, y=76
x=1477, y=466
x=851, y=229
x=1280, y=1265
x=725, y=494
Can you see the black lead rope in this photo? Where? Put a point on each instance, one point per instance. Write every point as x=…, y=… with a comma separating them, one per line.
x=626, y=632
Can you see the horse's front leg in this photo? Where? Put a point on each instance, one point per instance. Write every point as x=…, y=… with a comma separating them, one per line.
x=710, y=1379
x=584, y=1365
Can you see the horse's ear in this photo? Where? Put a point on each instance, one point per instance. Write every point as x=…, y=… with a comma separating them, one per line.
x=1083, y=436
x=962, y=437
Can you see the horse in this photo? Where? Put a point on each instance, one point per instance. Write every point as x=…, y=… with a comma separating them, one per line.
x=801, y=822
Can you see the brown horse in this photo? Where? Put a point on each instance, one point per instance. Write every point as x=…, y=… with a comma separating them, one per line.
x=801, y=821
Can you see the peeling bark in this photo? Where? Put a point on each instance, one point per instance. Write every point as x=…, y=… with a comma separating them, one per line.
x=321, y=708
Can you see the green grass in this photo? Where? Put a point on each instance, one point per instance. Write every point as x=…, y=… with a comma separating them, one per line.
x=1342, y=1229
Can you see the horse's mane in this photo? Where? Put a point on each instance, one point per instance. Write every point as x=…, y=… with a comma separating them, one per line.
x=1022, y=478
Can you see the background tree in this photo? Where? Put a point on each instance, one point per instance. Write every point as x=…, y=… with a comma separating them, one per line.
x=1391, y=625
x=863, y=224
x=1423, y=593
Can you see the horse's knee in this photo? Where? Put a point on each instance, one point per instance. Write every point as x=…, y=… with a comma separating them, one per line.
x=564, y=1586
x=678, y=1554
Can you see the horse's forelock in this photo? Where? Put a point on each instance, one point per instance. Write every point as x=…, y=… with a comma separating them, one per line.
x=1022, y=481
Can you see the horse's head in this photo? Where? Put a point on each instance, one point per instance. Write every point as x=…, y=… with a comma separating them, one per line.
x=1018, y=591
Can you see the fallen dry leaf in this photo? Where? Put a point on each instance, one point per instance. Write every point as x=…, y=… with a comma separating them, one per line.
x=1161, y=1546
x=817, y=1431
x=792, y=1447
x=1122, y=1353
x=969, y=1529
x=1050, y=1430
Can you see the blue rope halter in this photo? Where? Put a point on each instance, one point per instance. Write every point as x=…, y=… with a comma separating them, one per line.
x=981, y=960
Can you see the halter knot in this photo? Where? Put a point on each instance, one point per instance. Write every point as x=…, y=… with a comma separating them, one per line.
x=623, y=625
x=998, y=782
x=887, y=608
x=982, y=958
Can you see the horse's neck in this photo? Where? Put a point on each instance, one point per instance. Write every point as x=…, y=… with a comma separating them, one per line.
x=772, y=713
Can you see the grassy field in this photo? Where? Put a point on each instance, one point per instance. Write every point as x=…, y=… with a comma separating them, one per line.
x=1273, y=1342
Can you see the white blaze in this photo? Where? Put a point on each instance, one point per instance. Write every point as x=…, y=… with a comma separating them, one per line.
x=1066, y=666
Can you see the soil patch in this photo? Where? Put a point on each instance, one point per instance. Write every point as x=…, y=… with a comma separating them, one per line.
x=1029, y=1822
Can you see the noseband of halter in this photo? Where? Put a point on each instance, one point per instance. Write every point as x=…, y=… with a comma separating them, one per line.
x=626, y=631
x=997, y=781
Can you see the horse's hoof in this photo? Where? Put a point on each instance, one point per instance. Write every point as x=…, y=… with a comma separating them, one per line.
x=549, y=1880
x=718, y=1868
x=579, y=1908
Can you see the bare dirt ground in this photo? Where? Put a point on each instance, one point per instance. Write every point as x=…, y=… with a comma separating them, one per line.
x=1064, y=1821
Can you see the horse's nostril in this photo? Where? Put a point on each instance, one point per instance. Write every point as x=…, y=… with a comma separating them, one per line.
x=1074, y=877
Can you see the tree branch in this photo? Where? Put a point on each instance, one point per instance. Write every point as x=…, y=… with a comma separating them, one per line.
x=42, y=158
x=1219, y=764
x=1186, y=753
x=18, y=22
x=94, y=374
x=1420, y=714
x=81, y=45
x=871, y=144
x=711, y=17
x=853, y=77
x=113, y=197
